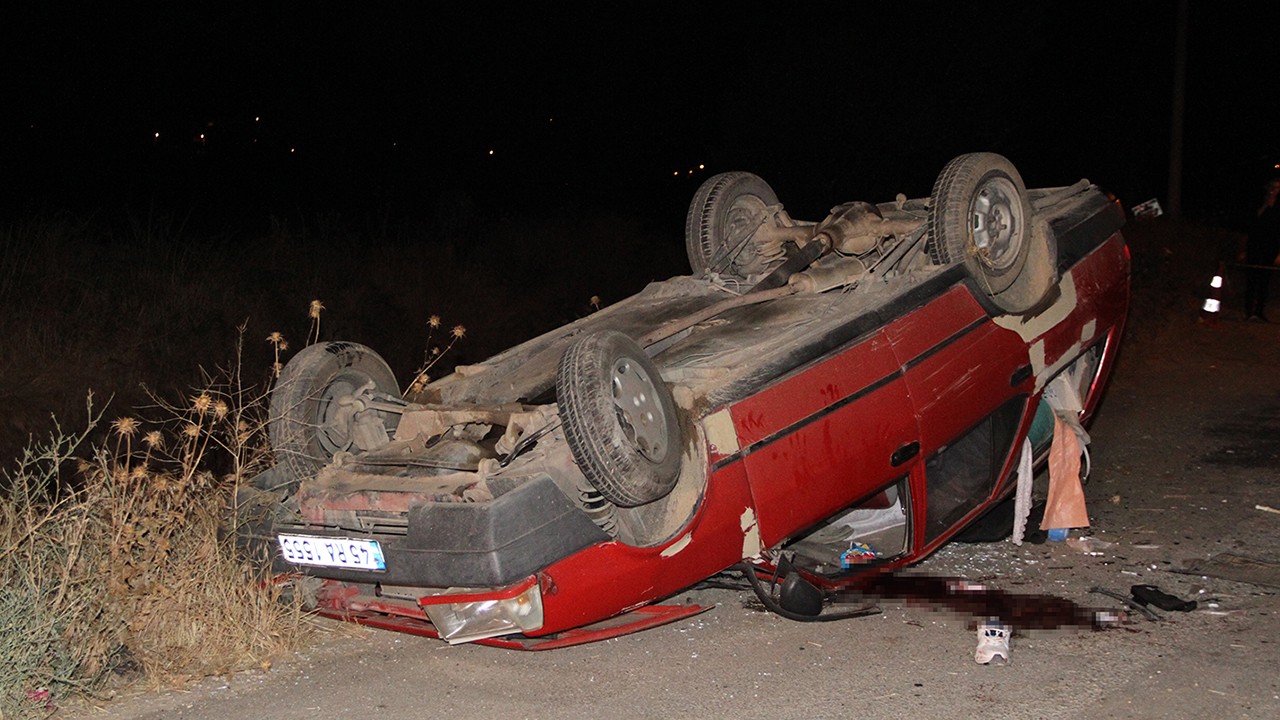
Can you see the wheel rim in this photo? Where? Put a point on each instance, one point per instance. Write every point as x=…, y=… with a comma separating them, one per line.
x=743, y=217
x=740, y=220
x=640, y=414
x=335, y=432
x=996, y=222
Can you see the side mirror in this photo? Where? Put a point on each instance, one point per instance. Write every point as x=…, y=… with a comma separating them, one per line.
x=798, y=595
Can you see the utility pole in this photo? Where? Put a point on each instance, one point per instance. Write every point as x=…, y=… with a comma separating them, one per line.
x=1179, y=106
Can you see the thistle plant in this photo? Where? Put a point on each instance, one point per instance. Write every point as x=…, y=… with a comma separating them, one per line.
x=433, y=354
x=313, y=311
x=279, y=345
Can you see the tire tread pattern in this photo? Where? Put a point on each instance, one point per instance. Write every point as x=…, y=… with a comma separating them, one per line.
x=620, y=474
x=702, y=231
x=948, y=226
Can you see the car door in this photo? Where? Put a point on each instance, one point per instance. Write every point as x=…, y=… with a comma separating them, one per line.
x=968, y=382
x=829, y=434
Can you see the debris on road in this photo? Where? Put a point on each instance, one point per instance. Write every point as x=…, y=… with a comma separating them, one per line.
x=1089, y=545
x=1239, y=568
x=1152, y=595
x=1135, y=605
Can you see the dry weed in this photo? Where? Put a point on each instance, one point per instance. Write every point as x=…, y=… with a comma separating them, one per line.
x=47, y=594
x=432, y=355
x=126, y=556
x=313, y=312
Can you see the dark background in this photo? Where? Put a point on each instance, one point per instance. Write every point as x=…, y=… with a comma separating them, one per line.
x=395, y=108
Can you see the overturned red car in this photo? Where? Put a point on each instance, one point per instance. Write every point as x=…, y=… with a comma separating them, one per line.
x=817, y=401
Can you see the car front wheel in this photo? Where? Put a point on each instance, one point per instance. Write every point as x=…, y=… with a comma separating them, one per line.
x=619, y=419
x=320, y=406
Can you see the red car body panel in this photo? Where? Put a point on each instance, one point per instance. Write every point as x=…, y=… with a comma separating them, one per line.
x=823, y=435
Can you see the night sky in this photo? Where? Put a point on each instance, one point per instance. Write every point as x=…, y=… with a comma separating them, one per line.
x=242, y=109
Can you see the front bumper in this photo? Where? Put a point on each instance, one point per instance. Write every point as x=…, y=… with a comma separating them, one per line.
x=416, y=617
x=467, y=544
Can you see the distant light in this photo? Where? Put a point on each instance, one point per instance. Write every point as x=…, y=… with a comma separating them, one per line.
x=490, y=152
x=676, y=173
x=256, y=118
x=551, y=119
x=702, y=167
x=201, y=136
x=1276, y=166
x=293, y=150
x=1216, y=282
x=157, y=136
x=690, y=172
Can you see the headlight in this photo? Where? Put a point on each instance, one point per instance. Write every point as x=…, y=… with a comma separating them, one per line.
x=462, y=614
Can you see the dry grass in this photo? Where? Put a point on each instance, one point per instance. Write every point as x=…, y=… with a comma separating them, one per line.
x=118, y=556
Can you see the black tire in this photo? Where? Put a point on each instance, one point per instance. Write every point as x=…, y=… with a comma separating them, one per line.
x=726, y=208
x=619, y=419
x=304, y=398
x=979, y=215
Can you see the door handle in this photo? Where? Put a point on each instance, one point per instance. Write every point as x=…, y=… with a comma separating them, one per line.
x=1020, y=375
x=904, y=453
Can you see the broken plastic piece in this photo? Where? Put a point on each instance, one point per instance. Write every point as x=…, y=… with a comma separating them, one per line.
x=1152, y=595
x=993, y=642
x=1089, y=545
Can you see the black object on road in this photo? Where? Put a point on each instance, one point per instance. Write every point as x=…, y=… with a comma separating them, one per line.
x=1152, y=595
x=1146, y=612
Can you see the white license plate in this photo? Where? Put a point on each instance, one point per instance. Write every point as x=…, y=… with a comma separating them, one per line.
x=336, y=552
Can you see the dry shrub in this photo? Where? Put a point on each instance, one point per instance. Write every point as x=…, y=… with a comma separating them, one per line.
x=125, y=559
x=207, y=613
x=48, y=589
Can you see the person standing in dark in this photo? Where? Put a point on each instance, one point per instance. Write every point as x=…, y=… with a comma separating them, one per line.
x=1262, y=249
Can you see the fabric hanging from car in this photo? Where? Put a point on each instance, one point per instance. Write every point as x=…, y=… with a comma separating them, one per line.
x=1065, y=507
x=1022, y=499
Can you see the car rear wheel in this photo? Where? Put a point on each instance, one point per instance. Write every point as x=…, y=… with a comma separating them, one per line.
x=979, y=215
x=725, y=212
x=318, y=402
x=619, y=419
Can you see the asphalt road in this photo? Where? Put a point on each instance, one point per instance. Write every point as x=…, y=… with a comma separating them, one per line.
x=1184, y=449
